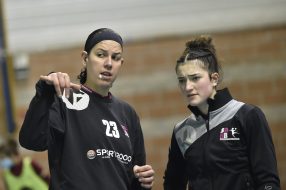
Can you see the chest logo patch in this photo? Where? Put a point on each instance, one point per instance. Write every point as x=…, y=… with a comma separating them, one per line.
x=76, y=101
x=229, y=134
x=125, y=129
x=90, y=154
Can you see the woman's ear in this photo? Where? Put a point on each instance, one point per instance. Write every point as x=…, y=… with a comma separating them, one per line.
x=215, y=79
x=84, y=57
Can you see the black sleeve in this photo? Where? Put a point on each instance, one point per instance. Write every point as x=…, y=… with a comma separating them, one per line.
x=33, y=133
x=175, y=177
x=139, y=157
x=261, y=150
x=139, y=147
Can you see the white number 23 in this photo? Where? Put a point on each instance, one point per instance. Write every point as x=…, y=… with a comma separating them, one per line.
x=111, y=129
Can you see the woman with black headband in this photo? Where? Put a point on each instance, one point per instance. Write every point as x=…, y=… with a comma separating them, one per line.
x=94, y=140
x=224, y=144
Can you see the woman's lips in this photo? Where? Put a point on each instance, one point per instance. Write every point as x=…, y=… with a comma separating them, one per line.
x=191, y=95
x=105, y=75
x=108, y=74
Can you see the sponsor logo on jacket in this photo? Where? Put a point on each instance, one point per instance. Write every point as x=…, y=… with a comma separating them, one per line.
x=108, y=154
x=229, y=134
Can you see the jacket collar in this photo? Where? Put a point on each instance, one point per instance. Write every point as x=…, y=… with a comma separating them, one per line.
x=99, y=97
x=221, y=98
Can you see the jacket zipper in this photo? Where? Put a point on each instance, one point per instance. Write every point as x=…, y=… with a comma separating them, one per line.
x=206, y=150
x=247, y=183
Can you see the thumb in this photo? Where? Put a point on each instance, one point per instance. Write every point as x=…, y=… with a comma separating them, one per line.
x=136, y=170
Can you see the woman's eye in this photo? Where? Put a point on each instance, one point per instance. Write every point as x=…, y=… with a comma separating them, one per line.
x=182, y=81
x=195, y=78
x=116, y=57
x=99, y=54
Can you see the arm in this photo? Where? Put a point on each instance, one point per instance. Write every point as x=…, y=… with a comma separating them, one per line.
x=33, y=133
x=261, y=151
x=175, y=177
x=143, y=174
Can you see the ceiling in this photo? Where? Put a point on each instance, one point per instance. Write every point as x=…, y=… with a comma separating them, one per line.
x=38, y=25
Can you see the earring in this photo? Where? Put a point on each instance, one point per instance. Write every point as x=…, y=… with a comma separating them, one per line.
x=215, y=84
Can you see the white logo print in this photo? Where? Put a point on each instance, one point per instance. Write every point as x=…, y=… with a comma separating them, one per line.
x=268, y=187
x=104, y=153
x=233, y=132
x=79, y=100
x=111, y=129
x=228, y=134
x=109, y=154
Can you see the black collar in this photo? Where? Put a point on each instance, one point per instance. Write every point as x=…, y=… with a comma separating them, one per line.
x=88, y=90
x=220, y=99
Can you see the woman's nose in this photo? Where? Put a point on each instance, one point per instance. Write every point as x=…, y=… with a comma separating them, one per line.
x=189, y=85
x=108, y=62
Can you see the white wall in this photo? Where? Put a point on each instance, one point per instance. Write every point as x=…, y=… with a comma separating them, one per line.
x=37, y=25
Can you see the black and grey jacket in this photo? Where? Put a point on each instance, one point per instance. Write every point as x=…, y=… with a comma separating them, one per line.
x=230, y=148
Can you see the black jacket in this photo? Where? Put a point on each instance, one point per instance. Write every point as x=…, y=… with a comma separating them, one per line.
x=93, y=142
x=231, y=148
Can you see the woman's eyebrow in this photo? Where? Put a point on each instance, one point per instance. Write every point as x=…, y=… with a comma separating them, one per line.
x=104, y=50
x=116, y=53
x=100, y=49
x=193, y=75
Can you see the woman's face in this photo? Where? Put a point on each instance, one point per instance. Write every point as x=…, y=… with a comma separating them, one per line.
x=195, y=83
x=103, y=64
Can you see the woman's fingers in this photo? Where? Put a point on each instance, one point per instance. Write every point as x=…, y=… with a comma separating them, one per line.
x=46, y=79
x=147, y=185
x=75, y=86
x=65, y=84
x=146, y=182
x=145, y=175
x=61, y=82
x=52, y=79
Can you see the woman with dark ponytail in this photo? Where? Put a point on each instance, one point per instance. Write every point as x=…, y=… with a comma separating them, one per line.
x=94, y=140
x=224, y=144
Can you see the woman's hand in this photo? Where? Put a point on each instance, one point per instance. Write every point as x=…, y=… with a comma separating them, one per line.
x=145, y=175
x=61, y=82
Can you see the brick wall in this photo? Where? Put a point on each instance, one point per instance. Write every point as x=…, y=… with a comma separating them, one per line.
x=254, y=64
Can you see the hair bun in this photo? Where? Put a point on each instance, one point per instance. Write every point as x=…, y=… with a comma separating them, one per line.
x=201, y=43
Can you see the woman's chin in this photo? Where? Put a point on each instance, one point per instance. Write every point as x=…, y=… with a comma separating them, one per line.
x=194, y=103
x=105, y=84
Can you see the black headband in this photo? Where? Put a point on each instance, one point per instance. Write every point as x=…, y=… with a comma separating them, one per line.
x=195, y=54
x=99, y=35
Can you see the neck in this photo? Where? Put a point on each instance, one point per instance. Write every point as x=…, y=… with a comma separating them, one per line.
x=204, y=108
x=101, y=91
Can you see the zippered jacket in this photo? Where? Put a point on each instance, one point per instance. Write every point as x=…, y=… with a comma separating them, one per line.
x=231, y=148
x=93, y=142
